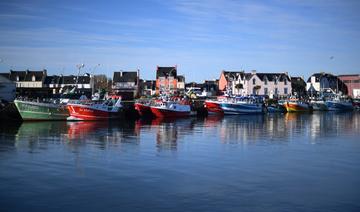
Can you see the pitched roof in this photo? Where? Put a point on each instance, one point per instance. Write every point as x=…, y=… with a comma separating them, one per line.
x=166, y=72
x=181, y=78
x=273, y=76
x=71, y=79
x=125, y=76
x=318, y=76
x=233, y=74
x=28, y=75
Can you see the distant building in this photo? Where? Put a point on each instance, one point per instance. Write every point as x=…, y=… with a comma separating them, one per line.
x=70, y=83
x=126, y=84
x=148, y=87
x=319, y=82
x=180, y=83
x=233, y=82
x=298, y=86
x=166, y=79
x=30, y=83
x=274, y=85
x=352, y=81
x=7, y=88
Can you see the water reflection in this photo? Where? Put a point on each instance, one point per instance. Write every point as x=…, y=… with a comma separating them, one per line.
x=167, y=133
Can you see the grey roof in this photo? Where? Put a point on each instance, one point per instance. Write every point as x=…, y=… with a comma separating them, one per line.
x=233, y=74
x=28, y=75
x=71, y=79
x=272, y=76
x=181, y=78
x=166, y=72
x=125, y=76
x=318, y=76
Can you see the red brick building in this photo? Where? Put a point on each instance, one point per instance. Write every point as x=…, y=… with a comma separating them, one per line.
x=166, y=79
x=352, y=81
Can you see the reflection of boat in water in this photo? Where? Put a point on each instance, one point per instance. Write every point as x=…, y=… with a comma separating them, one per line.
x=41, y=111
x=84, y=128
x=42, y=129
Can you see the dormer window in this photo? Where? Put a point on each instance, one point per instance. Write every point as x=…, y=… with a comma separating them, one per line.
x=276, y=81
x=17, y=78
x=285, y=81
x=254, y=81
x=265, y=81
x=33, y=78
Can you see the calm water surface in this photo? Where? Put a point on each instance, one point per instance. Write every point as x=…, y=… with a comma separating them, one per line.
x=280, y=162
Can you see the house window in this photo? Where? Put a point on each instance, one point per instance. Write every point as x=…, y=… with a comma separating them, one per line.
x=254, y=91
x=17, y=78
x=285, y=90
x=276, y=81
x=265, y=81
x=265, y=91
x=276, y=91
x=254, y=81
x=285, y=82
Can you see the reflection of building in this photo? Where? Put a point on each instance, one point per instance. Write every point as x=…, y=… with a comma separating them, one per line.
x=352, y=81
x=126, y=84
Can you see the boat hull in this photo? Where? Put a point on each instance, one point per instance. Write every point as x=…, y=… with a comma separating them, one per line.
x=35, y=111
x=143, y=110
x=243, y=108
x=296, y=107
x=168, y=113
x=213, y=107
x=80, y=112
x=339, y=106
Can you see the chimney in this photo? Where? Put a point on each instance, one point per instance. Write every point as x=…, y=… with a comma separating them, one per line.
x=253, y=72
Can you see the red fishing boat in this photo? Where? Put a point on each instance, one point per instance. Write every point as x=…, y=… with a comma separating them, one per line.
x=167, y=109
x=95, y=110
x=143, y=108
x=213, y=107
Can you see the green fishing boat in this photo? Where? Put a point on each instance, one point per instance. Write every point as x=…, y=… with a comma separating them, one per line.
x=41, y=111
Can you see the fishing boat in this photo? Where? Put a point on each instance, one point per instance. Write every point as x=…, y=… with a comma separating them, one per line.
x=275, y=108
x=294, y=105
x=339, y=104
x=170, y=109
x=32, y=110
x=213, y=106
x=318, y=105
x=242, y=105
x=235, y=105
x=143, y=108
x=95, y=110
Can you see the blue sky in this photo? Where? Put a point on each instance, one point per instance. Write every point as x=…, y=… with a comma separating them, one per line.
x=201, y=37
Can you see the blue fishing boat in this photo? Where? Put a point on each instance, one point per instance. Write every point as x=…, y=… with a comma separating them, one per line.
x=339, y=103
x=242, y=105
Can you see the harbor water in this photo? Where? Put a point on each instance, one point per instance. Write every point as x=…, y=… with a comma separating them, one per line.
x=276, y=162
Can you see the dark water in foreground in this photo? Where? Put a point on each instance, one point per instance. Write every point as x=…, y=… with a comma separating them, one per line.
x=291, y=162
